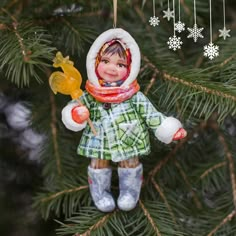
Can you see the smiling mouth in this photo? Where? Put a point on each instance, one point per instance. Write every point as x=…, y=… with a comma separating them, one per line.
x=112, y=75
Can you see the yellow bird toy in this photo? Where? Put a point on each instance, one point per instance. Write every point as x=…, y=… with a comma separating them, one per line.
x=67, y=82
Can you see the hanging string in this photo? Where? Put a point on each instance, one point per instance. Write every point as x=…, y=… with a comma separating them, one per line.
x=115, y=13
x=224, y=32
x=210, y=23
x=179, y=10
x=153, y=4
x=224, y=11
x=174, y=15
x=195, y=18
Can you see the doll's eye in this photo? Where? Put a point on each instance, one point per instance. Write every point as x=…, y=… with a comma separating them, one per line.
x=121, y=65
x=104, y=61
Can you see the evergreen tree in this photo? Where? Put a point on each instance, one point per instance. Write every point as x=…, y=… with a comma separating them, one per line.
x=189, y=186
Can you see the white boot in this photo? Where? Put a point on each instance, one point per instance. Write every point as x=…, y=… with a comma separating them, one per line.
x=100, y=186
x=130, y=182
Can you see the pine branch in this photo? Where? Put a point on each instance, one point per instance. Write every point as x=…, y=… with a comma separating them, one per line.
x=223, y=222
x=158, y=218
x=64, y=202
x=74, y=35
x=55, y=195
x=146, y=213
x=99, y=224
x=88, y=220
x=25, y=52
x=230, y=159
x=177, y=147
x=91, y=222
x=164, y=198
x=195, y=197
x=212, y=168
x=211, y=94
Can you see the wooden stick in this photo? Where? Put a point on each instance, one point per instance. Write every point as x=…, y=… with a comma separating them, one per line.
x=89, y=121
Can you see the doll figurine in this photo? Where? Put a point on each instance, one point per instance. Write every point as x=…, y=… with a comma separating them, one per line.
x=121, y=116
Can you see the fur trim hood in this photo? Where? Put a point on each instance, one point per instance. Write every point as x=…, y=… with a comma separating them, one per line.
x=105, y=37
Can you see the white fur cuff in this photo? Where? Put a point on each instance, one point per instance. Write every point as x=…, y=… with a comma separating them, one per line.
x=167, y=129
x=68, y=121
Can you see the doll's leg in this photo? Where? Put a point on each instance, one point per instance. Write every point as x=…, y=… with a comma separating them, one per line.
x=130, y=181
x=99, y=164
x=130, y=163
x=99, y=180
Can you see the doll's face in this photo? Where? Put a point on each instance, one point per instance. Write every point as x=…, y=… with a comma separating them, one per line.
x=112, y=68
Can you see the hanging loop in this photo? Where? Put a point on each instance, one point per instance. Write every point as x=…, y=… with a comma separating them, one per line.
x=114, y=13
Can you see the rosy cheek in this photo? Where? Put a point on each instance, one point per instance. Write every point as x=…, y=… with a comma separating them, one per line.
x=101, y=68
x=123, y=72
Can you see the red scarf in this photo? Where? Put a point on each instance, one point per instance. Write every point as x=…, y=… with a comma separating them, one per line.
x=112, y=94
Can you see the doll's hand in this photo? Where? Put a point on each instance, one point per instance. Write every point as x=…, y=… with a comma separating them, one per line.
x=181, y=133
x=80, y=114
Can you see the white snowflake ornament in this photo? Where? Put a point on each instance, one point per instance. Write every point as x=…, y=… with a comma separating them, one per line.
x=179, y=26
x=211, y=51
x=168, y=14
x=195, y=33
x=224, y=33
x=154, y=20
x=174, y=43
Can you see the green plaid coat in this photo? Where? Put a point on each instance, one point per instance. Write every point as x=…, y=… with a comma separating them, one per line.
x=121, y=130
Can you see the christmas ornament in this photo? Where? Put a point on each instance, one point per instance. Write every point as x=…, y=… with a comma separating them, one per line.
x=154, y=20
x=32, y=142
x=195, y=32
x=118, y=110
x=168, y=13
x=113, y=63
x=68, y=10
x=224, y=32
x=179, y=26
x=174, y=42
x=18, y=115
x=211, y=51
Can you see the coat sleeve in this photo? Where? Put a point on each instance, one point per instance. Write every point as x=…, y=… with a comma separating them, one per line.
x=163, y=127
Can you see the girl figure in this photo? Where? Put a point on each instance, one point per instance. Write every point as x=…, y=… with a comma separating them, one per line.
x=121, y=115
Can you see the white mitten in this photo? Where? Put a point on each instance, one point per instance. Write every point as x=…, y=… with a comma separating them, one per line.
x=68, y=120
x=166, y=131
